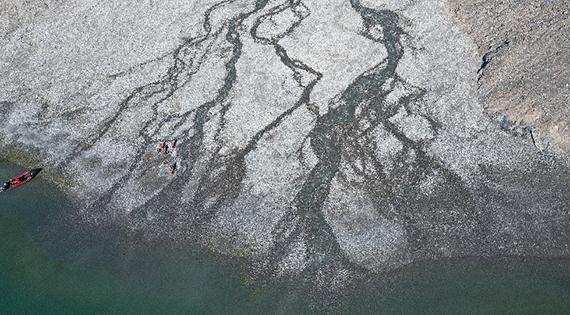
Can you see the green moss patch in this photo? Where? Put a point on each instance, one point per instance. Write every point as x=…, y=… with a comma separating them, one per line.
x=19, y=157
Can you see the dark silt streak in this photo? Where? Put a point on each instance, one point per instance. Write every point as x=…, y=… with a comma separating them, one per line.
x=168, y=84
x=215, y=184
x=287, y=229
x=339, y=140
x=335, y=140
x=179, y=74
x=327, y=144
x=221, y=185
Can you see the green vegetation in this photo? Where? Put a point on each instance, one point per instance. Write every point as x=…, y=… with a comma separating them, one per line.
x=19, y=157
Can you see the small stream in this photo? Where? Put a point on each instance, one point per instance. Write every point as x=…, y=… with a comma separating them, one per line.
x=50, y=265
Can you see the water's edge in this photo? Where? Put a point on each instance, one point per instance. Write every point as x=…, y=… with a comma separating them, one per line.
x=49, y=265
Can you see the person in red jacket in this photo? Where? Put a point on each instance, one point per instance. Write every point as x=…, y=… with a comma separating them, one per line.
x=163, y=148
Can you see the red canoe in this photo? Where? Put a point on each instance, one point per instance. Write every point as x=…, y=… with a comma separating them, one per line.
x=20, y=179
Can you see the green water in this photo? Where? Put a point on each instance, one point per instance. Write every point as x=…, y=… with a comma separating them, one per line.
x=471, y=286
x=50, y=266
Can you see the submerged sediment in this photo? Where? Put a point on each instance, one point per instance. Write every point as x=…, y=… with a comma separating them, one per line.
x=321, y=140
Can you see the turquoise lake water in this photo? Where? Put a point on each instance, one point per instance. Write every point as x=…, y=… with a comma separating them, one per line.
x=50, y=266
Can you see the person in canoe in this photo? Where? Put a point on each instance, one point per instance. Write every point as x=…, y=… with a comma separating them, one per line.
x=21, y=179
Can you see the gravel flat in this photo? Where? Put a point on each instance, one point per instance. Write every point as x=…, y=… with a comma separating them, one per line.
x=320, y=139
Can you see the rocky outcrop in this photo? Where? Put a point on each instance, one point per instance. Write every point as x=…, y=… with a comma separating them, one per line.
x=525, y=73
x=320, y=139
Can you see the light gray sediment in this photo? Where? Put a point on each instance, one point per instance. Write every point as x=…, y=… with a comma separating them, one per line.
x=318, y=139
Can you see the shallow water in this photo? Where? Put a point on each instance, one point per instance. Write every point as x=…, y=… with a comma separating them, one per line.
x=50, y=266
x=470, y=286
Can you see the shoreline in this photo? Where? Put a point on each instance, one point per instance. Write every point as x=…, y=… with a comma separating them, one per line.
x=372, y=150
x=376, y=288
x=24, y=159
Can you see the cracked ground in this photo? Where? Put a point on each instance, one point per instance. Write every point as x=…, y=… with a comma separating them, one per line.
x=320, y=139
